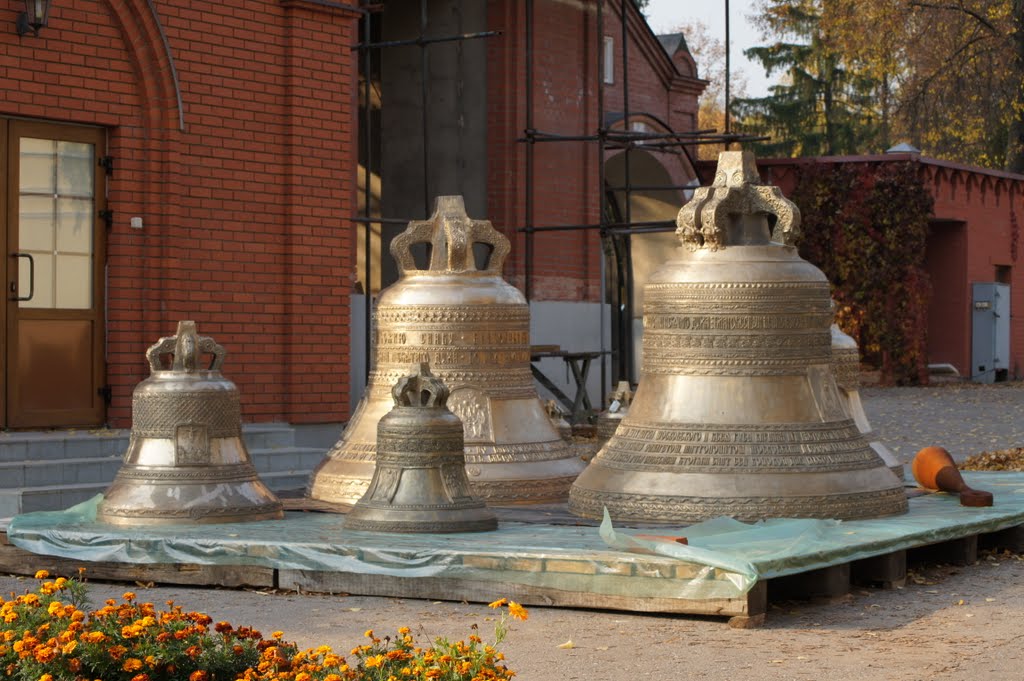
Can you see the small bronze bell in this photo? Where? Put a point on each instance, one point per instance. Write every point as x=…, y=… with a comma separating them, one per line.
x=186, y=461
x=846, y=363
x=474, y=329
x=618, y=406
x=737, y=412
x=420, y=483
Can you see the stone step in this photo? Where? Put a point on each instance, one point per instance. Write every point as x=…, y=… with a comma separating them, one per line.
x=101, y=470
x=59, y=497
x=80, y=444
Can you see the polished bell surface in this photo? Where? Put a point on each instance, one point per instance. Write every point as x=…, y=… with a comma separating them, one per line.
x=186, y=462
x=737, y=412
x=420, y=483
x=846, y=362
x=618, y=406
x=474, y=329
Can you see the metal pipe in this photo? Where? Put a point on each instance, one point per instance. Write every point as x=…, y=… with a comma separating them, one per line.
x=728, y=49
x=627, y=306
x=599, y=48
x=367, y=196
x=528, y=198
x=424, y=98
x=421, y=41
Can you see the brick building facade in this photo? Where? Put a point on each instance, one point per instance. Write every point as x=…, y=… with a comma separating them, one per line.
x=229, y=127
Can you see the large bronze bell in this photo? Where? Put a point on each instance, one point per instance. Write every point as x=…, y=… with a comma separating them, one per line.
x=737, y=411
x=420, y=483
x=186, y=461
x=474, y=330
x=846, y=362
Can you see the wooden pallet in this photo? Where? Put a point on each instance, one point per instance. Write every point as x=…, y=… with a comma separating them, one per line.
x=886, y=571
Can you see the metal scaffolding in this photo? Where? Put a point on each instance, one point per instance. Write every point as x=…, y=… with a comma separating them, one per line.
x=615, y=224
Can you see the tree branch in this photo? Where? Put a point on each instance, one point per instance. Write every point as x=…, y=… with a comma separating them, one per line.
x=959, y=8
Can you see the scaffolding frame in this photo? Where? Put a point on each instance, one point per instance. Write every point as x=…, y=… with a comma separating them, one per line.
x=615, y=233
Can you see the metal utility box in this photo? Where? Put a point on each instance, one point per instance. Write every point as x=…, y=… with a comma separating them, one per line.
x=990, y=332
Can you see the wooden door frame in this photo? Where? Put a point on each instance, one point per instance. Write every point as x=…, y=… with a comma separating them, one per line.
x=14, y=130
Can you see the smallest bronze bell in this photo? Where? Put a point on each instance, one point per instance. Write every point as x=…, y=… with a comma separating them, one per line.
x=618, y=406
x=558, y=420
x=420, y=484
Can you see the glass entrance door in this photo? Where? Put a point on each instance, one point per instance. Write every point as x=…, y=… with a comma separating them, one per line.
x=54, y=368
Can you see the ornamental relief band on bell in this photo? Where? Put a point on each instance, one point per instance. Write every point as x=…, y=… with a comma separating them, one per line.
x=736, y=322
x=158, y=415
x=445, y=338
x=448, y=357
x=443, y=314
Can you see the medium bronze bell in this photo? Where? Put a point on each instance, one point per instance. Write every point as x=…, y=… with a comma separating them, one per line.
x=846, y=362
x=186, y=461
x=737, y=412
x=474, y=330
x=419, y=483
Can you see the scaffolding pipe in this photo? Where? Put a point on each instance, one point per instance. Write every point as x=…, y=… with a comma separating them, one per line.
x=528, y=199
x=367, y=196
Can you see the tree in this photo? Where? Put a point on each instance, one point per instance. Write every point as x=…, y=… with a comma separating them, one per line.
x=945, y=75
x=823, y=106
x=709, y=53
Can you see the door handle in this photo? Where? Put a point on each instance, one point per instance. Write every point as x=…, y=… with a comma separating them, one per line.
x=31, y=278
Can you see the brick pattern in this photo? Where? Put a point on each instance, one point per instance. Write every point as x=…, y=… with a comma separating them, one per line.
x=245, y=207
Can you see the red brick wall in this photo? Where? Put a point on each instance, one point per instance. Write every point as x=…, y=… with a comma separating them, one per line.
x=245, y=205
x=566, y=184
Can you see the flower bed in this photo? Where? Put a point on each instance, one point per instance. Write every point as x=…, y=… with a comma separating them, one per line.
x=48, y=635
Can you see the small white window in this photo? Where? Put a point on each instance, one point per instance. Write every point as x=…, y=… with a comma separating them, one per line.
x=609, y=60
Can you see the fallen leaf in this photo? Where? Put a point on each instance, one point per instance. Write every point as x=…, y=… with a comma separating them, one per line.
x=990, y=600
x=353, y=609
x=568, y=645
x=601, y=648
x=960, y=602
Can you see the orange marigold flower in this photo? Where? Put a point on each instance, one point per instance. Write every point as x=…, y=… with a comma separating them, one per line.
x=69, y=647
x=369, y=633
x=517, y=611
x=140, y=677
x=375, y=661
x=498, y=603
x=403, y=630
x=60, y=582
x=45, y=654
x=277, y=635
x=46, y=677
x=198, y=675
x=303, y=676
x=193, y=651
x=132, y=664
x=117, y=652
x=42, y=574
x=223, y=627
x=128, y=596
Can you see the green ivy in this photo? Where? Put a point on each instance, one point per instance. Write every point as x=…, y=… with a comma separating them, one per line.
x=866, y=227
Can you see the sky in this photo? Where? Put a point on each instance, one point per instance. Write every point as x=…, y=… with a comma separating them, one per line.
x=664, y=16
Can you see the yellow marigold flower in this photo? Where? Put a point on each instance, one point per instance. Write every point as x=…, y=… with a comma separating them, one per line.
x=42, y=574
x=11, y=617
x=375, y=661
x=332, y=677
x=303, y=676
x=60, y=583
x=369, y=633
x=403, y=630
x=517, y=611
x=132, y=664
x=498, y=603
x=69, y=647
x=151, y=661
x=46, y=677
x=30, y=599
x=277, y=635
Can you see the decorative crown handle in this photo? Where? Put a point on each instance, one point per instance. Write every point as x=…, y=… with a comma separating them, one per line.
x=188, y=347
x=705, y=221
x=420, y=389
x=451, y=234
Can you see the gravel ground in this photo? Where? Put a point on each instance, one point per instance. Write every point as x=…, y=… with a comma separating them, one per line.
x=948, y=623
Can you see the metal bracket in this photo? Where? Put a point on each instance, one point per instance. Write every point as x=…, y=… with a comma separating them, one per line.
x=107, y=393
x=107, y=163
x=107, y=216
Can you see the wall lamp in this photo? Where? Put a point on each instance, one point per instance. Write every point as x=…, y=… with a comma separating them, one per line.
x=34, y=17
